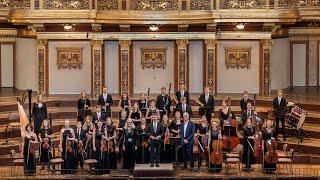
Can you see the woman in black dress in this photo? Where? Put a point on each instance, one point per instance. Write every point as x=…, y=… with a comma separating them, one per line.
x=28, y=140
x=135, y=114
x=67, y=138
x=248, y=144
x=224, y=113
x=100, y=154
x=88, y=127
x=268, y=133
x=39, y=113
x=143, y=104
x=143, y=145
x=166, y=149
x=83, y=103
x=124, y=102
x=129, y=145
x=214, y=134
x=46, y=141
x=111, y=137
x=202, y=130
x=152, y=109
x=174, y=128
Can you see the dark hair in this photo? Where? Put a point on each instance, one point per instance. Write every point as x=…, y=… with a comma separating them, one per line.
x=28, y=125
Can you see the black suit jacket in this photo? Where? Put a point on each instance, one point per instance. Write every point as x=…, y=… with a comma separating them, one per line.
x=245, y=116
x=163, y=105
x=103, y=117
x=82, y=133
x=158, y=132
x=279, y=109
x=102, y=102
x=210, y=104
x=243, y=104
x=188, y=109
x=186, y=95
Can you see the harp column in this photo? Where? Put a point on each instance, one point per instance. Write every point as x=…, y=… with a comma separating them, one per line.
x=125, y=65
x=209, y=65
x=182, y=65
x=97, y=66
x=43, y=79
x=265, y=71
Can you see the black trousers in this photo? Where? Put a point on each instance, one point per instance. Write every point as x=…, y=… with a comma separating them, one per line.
x=154, y=152
x=282, y=119
x=187, y=151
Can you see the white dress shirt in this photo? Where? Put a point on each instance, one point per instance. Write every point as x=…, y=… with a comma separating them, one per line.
x=185, y=128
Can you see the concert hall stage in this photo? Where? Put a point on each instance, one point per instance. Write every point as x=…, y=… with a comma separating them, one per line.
x=144, y=170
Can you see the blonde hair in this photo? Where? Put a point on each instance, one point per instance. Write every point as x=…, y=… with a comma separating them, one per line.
x=126, y=124
x=45, y=120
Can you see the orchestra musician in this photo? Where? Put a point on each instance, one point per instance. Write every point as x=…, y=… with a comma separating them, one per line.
x=111, y=138
x=163, y=102
x=268, y=134
x=83, y=103
x=182, y=93
x=214, y=135
x=174, y=128
x=184, y=107
x=143, y=103
x=88, y=127
x=155, y=132
x=46, y=141
x=100, y=154
x=105, y=101
x=152, y=109
x=124, y=102
x=202, y=130
x=247, y=113
x=244, y=101
x=279, y=108
x=167, y=148
x=129, y=144
x=29, y=138
x=80, y=135
x=248, y=145
x=187, y=131
x=143, y=145
x=224, y=114
x=207, y=104
x=39, y=113
x=99, y=115
x=135, y=114
x=67, y=138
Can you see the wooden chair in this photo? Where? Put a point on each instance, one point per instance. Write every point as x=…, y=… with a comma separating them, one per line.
x=57, y=160
x=288, y=160
x=15, y=161
x=234, y=158
x=90, y=163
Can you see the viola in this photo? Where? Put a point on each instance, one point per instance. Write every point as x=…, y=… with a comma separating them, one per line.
x=216, y=156
x=69, y=146
x=167, y=137
x=80, y=146
x=105, y=145
x=46, y=143
x=195, y=145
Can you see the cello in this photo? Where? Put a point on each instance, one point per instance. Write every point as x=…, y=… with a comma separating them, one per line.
x=216, y=156
x=271, y=155
x=257, y=149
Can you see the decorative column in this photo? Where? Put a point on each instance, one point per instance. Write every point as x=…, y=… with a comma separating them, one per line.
x=265, y=86
x=209, y=64
x=43, y=79
x=125, y=85
x=97, y=66
x=182, y=64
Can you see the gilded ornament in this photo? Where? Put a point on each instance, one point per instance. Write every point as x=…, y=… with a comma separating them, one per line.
x=237, y=57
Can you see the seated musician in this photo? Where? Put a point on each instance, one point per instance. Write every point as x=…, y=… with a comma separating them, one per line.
x=80, y=135
x=187, y=131
x=182, y=93
x=155, y=131
x=143, y=145
x=225, y=113
x=66, y=146
x=152, y=109
x=124, y=103
x=143, y=103
x=167, y=148
x=184, y=107
x=207, y=104
x=268, y=134
x=135, y=114
x=29, y=138
x=244, y=101
x=105, y=101
x=248, y=145
x=163, y=102
x=202, y=130
x=214, y=135
x=46, y=142
x=83, y=103
x=98, y=115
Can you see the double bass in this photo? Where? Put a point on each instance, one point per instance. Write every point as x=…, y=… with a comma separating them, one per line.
x=271, y=155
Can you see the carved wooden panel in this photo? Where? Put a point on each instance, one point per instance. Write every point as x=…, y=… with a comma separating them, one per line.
x=66, y=4
x=124, y=70
x=211, y=69
x=17, y=4
x=108, y=5
x=69, y=58
x=154, y=5
x=308, y=3
x=242, y=4
x=96, y=71
x=4, y=4
x=200, y=4
x=153, y=58
x=41, y=72
x=182, y=66
x=267, y=75
x=237, y=57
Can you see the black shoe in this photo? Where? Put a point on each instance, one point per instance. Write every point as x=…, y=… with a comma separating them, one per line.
x=157, y=165
x=151, y=165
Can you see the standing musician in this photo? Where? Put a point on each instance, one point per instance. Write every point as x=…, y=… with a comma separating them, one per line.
x=174, y=128
x=184, y=107
x=88, y=128
x=182, y=93
x=215, y=165
x=29, y=159
x=39, y=113
x=67, y=138
x=99, y=115
x=135, y=114
x=268, y=137
x=202, y=130
x=279, y=108
x=224, y=113
x=206, y=101
x=155, y=132
x=248, y=145
x=129, y=147
x=152, y=109
x=163, y=102
x=105, y=101
x=244, y=101
x=143, y=103
x=83, y=103
x=111, y=138
x=187, y=131
x=143, y=145
x=248, y=112
x=80, y=144
x=46, y=141
x=124, y=102
x=166, y=149
x=100, y=148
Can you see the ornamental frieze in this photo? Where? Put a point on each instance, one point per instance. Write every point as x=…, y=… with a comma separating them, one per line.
x=242, y=4
x=69, y=58
x=153, y=58
x=237, y=58
x=154, y=5
x=66, y=4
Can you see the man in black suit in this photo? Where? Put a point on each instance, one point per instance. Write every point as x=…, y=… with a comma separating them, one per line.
x=279, y=109
x=187, y=131
x=247, y=113
x=163, y=102
x=184, y=107
x=105, y=101
x=80, y=135
x=182, y=93
x=207, y=104
x=244, y=101
x=99, y=115
x=155, y=131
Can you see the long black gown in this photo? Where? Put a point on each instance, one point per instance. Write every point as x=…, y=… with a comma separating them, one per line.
x=39, y=113
x=202, y=130
x=82, y=102
x=135, y=115
x=268, y=167
x=129, y=142
x=29, y=159
x=101, y=156
x=87, y=142
x=69, y=164
x=166, y=151
x=45, y=154
x=175, y=126
x=112, y=155
x=143, y=154
x=248, y=157
x=214, y=167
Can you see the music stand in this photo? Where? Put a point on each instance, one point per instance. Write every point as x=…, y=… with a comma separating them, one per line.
x=82, y=113
x=175, y=141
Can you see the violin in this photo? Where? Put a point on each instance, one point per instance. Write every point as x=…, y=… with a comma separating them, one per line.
x=80, y=146
x=69, y=146
x=31, y=146
x=216, y=156
x=271, y=156
x=104, y=145
x=46, y=143
x=195, y=145
x=167, y=137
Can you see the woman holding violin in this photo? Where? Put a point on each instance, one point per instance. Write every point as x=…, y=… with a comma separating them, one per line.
x=124, y=102
x=202, y=130
x=100, y=147
x=270, y=145
x=166, y=149
x=88, y=128
x=111, y=138
x=143, y=144
x=67, y=138
x=215, y=148
x=29, y=159
x=46, y=140
x=248, y=145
